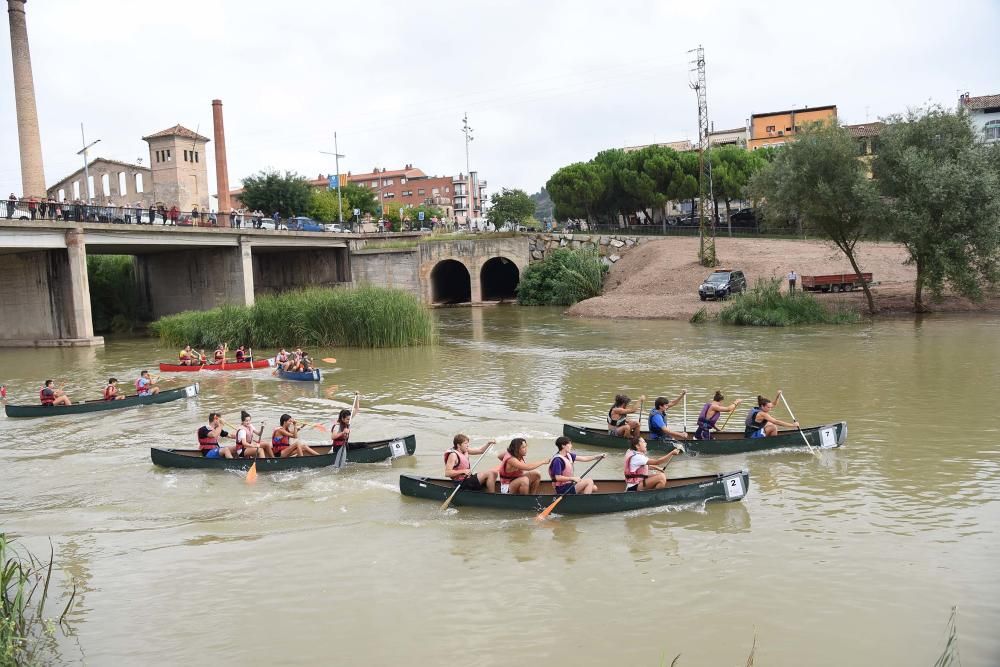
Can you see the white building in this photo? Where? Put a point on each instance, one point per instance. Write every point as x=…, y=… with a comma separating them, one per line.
x=984, y=112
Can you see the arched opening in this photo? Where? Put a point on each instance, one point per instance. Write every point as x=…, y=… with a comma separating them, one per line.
x=499, y=277
x=450, y=283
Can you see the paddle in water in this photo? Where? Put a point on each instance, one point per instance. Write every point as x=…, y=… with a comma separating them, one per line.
x=458, y=486
x=812, y=450
x=252, y=473
x=548, y=510
x=341, y=457
x=328, y=360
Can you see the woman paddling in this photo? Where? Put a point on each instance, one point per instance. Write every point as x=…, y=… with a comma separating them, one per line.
x=244, y=439
x=761, y=424
x=709, y=416
x=517, y=477
x=618, y=422
x=282, y=440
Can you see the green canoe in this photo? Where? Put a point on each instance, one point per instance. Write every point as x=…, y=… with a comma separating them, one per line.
x=724, y=442
x=610, y=496
x=357, y=452
x=101, y=405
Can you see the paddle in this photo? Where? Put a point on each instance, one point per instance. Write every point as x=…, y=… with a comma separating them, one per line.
x=341, y=458
x=642, y=403
x=458, y=487
x=548, y=510
x=812, y=450
x=328, y=360
x=685, y=411
x=252, y=473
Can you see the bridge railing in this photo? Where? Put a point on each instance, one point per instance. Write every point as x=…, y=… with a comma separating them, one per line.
x=76, y=211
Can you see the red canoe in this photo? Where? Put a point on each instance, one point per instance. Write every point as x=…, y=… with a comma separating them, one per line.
x=228, y=366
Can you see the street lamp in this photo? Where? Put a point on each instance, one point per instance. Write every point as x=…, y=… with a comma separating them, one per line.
x=86, y=167
x=336, y=156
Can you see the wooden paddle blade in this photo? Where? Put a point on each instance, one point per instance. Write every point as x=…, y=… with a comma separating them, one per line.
x=329, y=360
x=320, y=427
x=548, y=510
x=252, y=473
x=446, y=503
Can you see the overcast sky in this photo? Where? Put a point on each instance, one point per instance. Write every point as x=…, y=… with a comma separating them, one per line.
x=544, y=83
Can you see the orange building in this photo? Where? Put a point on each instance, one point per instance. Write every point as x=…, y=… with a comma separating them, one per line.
x=777, y=127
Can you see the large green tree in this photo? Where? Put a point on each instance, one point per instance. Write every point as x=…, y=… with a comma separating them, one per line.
x=324, y=206
x=510, y=206
x=942, y=189
x=819, y=178
x=288, y=194
x=361, y=198
x=576, y=190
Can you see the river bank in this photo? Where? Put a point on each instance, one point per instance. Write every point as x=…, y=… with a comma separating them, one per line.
x=659, y=279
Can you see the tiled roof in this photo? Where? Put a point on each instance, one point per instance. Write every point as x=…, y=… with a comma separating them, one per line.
x=866, y=129
x=178, y=131
x=803, y=109
x=982, y=102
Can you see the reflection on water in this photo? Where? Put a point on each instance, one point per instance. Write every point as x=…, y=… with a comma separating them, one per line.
x=874, y=541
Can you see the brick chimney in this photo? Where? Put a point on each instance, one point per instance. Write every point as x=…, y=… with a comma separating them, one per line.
x=221, y=165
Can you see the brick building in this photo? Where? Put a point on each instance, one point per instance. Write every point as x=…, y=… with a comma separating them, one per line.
x=777, y=127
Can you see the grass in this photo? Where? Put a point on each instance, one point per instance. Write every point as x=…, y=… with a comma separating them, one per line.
x=563, y=278
x=26, y=636
x=700, y=316
x=767, y=306
x=362, y=317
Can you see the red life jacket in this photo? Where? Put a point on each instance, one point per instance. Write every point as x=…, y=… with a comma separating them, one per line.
x=207, y=444
x=505, y=476
x=239, y=356
x=634, y=477
x=339, y=437
x=248, y=442
x=220, y=355
x=47, y=399
x=463, y=463
x=279, y=443
x=141, y=391
x=109, y=393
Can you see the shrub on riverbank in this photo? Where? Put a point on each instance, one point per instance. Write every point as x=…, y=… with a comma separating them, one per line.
x=363, y=317
x=562, y=278
x=114, y=294
x=767, y=306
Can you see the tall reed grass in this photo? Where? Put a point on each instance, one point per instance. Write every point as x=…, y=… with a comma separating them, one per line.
x=767, y=306
x=562, y=278
x=26, y=636
x=362, y=317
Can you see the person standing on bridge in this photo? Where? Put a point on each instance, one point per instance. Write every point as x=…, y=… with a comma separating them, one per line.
x=174, y=214
x=11, y=202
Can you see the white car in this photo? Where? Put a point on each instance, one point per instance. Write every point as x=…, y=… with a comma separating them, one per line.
x=267, y=223
x=335, y=227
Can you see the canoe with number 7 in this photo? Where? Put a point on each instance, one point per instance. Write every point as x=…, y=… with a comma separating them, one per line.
x=610, y=495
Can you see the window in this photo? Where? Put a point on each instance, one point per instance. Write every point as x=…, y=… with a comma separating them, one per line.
x=402, y=180
x=769, y=128
x=62, y=194
x=91, y=190
x=407, y=193
x=374, y=184
x=435, y=191
x=388, y=195
x=447, y=189
x=992, y=130
x=106, y=185
x=168, y=155
x=388, y=181
x=420, y=192
x=122, y=184
x=788, y=129
x=185, y=156
x=196, y=156
x=76, y=189
x=138, y=183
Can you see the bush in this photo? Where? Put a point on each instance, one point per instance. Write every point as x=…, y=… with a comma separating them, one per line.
x=114, y=294
x=766, y=306
x=562, y=278
x=363, y=317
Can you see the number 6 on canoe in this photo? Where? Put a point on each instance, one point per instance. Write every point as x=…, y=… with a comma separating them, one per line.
x=458, y=488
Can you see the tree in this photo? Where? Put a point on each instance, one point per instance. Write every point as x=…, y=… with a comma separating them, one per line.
x=324, y=206
x=819, y=178
x=543, y=205
x=510, y=206
x=942, y=188
x=361, y=198
x=288, y=194
x=576, y=190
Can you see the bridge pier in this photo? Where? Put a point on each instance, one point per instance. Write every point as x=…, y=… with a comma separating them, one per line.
x=45, y=297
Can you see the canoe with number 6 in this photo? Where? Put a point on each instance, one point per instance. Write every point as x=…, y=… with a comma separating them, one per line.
x=100, y=405
x=610, y=495
x=357, y=452
x=722, y=442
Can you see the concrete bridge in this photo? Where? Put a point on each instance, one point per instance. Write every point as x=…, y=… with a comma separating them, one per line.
x=45, y=291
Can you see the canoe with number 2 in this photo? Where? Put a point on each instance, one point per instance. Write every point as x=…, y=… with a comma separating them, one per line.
x=610, y=495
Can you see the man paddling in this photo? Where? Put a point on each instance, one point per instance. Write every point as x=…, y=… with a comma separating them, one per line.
x=111, y=392
x=49, y=395
x=458, y=469
x=208, y=439
x=186, y=356
x=561, y=470
x=144, y=386
x=220, y=354
x=637, y=466
x=658, y=419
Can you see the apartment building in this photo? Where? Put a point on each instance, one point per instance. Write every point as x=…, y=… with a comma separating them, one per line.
x=984, y=112
x=778, y=127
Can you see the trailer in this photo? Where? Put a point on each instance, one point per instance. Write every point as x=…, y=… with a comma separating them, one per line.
x=834, y=282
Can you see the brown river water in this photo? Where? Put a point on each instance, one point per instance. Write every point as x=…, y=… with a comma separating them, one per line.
x=852, y=558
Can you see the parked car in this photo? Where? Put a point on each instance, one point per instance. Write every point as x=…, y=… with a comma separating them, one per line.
x=301, y=223
x=745, y=218
x=721, y=284
x=334, y=227
x=268, y=223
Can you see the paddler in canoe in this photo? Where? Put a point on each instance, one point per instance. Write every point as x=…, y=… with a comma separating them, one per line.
x=220, y=355
x=284, y=440
x=516, y=476
x=561, y=470
x=186, y=357
x=145, y=386
x=658, y=420
x=709, y=415
x=244, y=439
x=341, y=431
x=760, y=423
x=457, y=467
x=208, y=439
x=618, y=422
x=111, y=392
x=49, y=395
x=241, y=355
x=638, y=464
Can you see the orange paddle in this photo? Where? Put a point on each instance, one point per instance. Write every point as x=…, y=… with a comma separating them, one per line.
x=328, y=360
x=252, y=473
x=548, y=510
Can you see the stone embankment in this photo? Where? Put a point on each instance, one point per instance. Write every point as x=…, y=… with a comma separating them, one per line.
x=609, y=247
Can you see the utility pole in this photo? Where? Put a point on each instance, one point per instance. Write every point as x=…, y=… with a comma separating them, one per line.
x=86, y=167
x=467, y=131
x=336, y=158
x=706, y=251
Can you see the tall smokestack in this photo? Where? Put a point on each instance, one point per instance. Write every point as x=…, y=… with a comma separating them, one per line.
x=28, y=137
x=221, y=165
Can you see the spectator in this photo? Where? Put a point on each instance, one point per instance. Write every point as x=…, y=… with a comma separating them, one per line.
x=55, y=211
x=12, y=201
x=43, y=208
x=152, y=213
x=213, y=219
x=32, y=206
x=274, y=217
x=175, y=213
x=137, y=208
x=194, y=215
x=792, y=278
x=234, y=217
x=51, y=208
